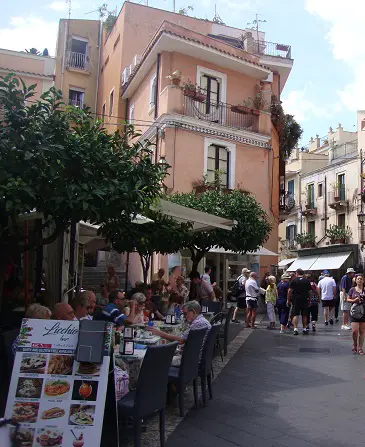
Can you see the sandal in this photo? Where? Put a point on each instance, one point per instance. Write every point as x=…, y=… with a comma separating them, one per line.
x=354, y=349
x=360, y=351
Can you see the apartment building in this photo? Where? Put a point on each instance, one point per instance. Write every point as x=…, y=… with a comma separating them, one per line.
x=324, y=183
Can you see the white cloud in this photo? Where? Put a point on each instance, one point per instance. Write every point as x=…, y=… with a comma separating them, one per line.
x=62, y=6
x=346, y=36
x=28, y=32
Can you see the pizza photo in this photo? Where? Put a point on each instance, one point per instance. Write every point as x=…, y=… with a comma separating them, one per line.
x=33, y=363
x=25, y=412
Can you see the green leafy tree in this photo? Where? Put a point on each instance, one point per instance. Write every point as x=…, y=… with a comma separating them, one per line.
x=163, y=235
x=63, y=164
x=251, y=230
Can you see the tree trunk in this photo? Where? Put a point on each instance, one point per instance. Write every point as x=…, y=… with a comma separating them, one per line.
x=196, y=257
x=145, y=262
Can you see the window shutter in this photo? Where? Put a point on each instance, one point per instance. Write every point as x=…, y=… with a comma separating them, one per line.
x=229, y=169
x=295, y=231
x=287, y=233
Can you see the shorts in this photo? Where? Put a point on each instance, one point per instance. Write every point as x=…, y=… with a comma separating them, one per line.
x=299, y=307
x=241, y=302
x=328, y=303
x=345, y=306
x=251, y=304
x=313, y=312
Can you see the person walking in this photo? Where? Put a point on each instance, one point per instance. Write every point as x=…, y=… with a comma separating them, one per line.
x=327, y=291
x=345, y=286
x=241, y=295
x=300, y=292
x=252, y=293
x=356, y=296
x=271, y=296
x=313, y=306
x=281, y=305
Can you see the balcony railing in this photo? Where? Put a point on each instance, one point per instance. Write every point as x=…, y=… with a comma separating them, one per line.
x=287, y=202
x=76, y=103
x=220, y=113
x=337, y=198
x=345, y=149
x=289, y=244
x=77, y=60
x=272, y=49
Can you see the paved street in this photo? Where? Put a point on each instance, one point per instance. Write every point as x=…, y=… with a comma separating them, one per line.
x=281, y=390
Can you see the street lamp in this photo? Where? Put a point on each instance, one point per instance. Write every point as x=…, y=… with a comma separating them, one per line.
x=361, y=218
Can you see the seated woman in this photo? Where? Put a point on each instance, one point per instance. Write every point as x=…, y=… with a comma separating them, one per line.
x=175, y=301
x=140, y=300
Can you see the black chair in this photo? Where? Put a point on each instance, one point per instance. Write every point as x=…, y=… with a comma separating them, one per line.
x=205, y=367
x=212, y=306
x=224, y=333
x=150, y=393
x=218, y=318
x=188, y=371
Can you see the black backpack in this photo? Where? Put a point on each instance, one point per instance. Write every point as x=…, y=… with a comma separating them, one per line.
x=237, y=288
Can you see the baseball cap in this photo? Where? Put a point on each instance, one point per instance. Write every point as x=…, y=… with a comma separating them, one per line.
x=245, y=270
x=350, y=270
x=326, y=272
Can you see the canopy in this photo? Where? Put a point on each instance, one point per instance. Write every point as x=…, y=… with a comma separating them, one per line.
x=286, y=262
x=331, y=261
x=262, y=251
x=304, y=263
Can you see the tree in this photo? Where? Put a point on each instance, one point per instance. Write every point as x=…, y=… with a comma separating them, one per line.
x=60, y=162
x=163, y=235
x=185, y=11
x=251, y=230
x=33, y=51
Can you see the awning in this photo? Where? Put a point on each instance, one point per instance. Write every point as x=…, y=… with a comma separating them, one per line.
x=262, y=251
x=305, y=263
x=286, y=262
x=331, y=261
x=201, y=221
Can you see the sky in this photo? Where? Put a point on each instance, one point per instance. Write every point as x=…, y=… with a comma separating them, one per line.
x=327, y=38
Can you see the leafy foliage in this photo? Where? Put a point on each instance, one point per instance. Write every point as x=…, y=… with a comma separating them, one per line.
x=63, y=164
x=251, y=230
x=336, y=233
x=287, y=127
x=305, y=239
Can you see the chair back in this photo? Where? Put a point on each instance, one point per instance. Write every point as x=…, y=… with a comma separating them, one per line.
x=228, y=321
x=153, y=378
x=189, y=367
x=208, y=350
x=218, y=318
x=212, y=306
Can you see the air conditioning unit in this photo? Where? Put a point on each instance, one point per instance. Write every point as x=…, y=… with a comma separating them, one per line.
x=125, y=74
x=136, y=60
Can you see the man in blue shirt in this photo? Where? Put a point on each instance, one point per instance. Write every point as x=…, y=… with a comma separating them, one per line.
x=345, y=286
x=114, y=310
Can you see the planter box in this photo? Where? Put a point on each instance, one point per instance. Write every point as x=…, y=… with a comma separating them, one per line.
x=338, y=241
x=307, y=245
x=200, y=97
x=245, y=110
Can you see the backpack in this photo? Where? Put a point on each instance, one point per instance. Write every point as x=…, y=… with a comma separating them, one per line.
x=237, y=288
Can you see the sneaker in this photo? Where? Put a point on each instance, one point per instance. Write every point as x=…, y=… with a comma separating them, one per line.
x=346, y=328
x=337, y=320
x=235, y=321
x=326, y=323
x=305, y=332
x=314, y=328
x=331, y=321
x=295, y=331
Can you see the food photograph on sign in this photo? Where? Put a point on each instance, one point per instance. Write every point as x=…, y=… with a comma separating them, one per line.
x=33, y=363
x=85, y=390
x=60, y=364
x=87, y=369
x=46, y=437
x=57, y=388
x=22, y=437
x=29, y=388
x=51, y=412
x=25, y=412
x=82, y=414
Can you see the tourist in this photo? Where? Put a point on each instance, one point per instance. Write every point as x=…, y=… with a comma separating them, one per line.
x=114, y=310
x=175, y=273
x=63, y=311
x=103, y=297
x=345, y=286
x=327, y=291
x=159, y=276
x=195, y=320
x=201, y=290
x=112, y=281
x=313, y=305
x=181, y=289
x=80, y=305
x=300, y=292
x=140, y=300
x=206, y=275
x=175, y=301
x=271, y=296
x=252, y=293
x=281, y=305
x=337, y=299
x=241, y=295
x=356, y=295
x=92, y=302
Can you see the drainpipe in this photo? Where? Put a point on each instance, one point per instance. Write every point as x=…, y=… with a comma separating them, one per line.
x=98, y=72
x=64, y=55
x=157, y=83
x=325, y=204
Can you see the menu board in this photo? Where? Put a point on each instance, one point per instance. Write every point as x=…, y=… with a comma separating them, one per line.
x=57, y=401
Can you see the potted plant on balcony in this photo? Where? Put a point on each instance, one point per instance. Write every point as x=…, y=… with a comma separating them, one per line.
x=193, y=91
x=336, y=186
x=338, y=235
x=306, y=240
x=175, y=77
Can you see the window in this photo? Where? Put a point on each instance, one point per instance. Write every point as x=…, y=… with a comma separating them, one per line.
x=111, y=103
x=116, y=42
x=77, y=56
x=103, y=111
x=106, y=62
x=341, y=186
x=310, y=195
x=76, y=97
x=291, y=187
x=153, y=86
x=312, y=228
x=131, y=114
x=320, y=189
x=341, y=220
x=211, y=87
x=291, y=232
x=218, y=164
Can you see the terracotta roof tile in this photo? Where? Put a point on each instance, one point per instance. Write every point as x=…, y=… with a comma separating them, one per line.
x=10, y=70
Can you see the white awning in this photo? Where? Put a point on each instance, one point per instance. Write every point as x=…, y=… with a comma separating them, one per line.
x=305, y=263
x=201, y=221
x=286, y=262
x=330, y=261
x=262, y=251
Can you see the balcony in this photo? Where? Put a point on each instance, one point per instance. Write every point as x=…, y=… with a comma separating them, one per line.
x=337, y=198
x=286, y=205
x=78, y=61
x=265, y=48
x=309, y=210
x=289, y=244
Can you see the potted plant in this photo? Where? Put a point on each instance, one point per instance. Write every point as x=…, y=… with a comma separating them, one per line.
x=193, y=91
x=336, y=186
x=338, y=235
x=175, y=77
x=306, y=240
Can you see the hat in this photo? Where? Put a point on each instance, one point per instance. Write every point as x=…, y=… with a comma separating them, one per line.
x=244, y=270
x=285, y=276
x=326, y=272
x=350, y=270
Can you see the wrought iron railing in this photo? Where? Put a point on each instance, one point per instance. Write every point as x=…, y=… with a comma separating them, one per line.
x=289, y=244
x=345, y=149
x=77, y=60
x=286, y=201
x=337, y=195
x=272, y=49
x=220, y=113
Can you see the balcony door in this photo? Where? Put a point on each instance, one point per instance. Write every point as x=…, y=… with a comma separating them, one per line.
x=78, y=53
x=211, y=87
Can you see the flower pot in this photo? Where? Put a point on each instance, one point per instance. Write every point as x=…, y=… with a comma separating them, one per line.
x=307, y=207
x=190, y=93
x=176, y=81
x=200, y=97
x=255, y=112
x=241, y=109
x=337, y=198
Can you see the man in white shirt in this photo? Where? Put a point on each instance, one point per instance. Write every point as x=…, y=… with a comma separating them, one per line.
x=327, y=293
x=252, y=293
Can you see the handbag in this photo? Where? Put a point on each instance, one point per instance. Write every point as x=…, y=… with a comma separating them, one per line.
x=357, y=311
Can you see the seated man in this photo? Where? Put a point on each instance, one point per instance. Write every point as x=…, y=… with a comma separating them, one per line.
x=192, y=314
x=63, y=311
x=114, y=311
